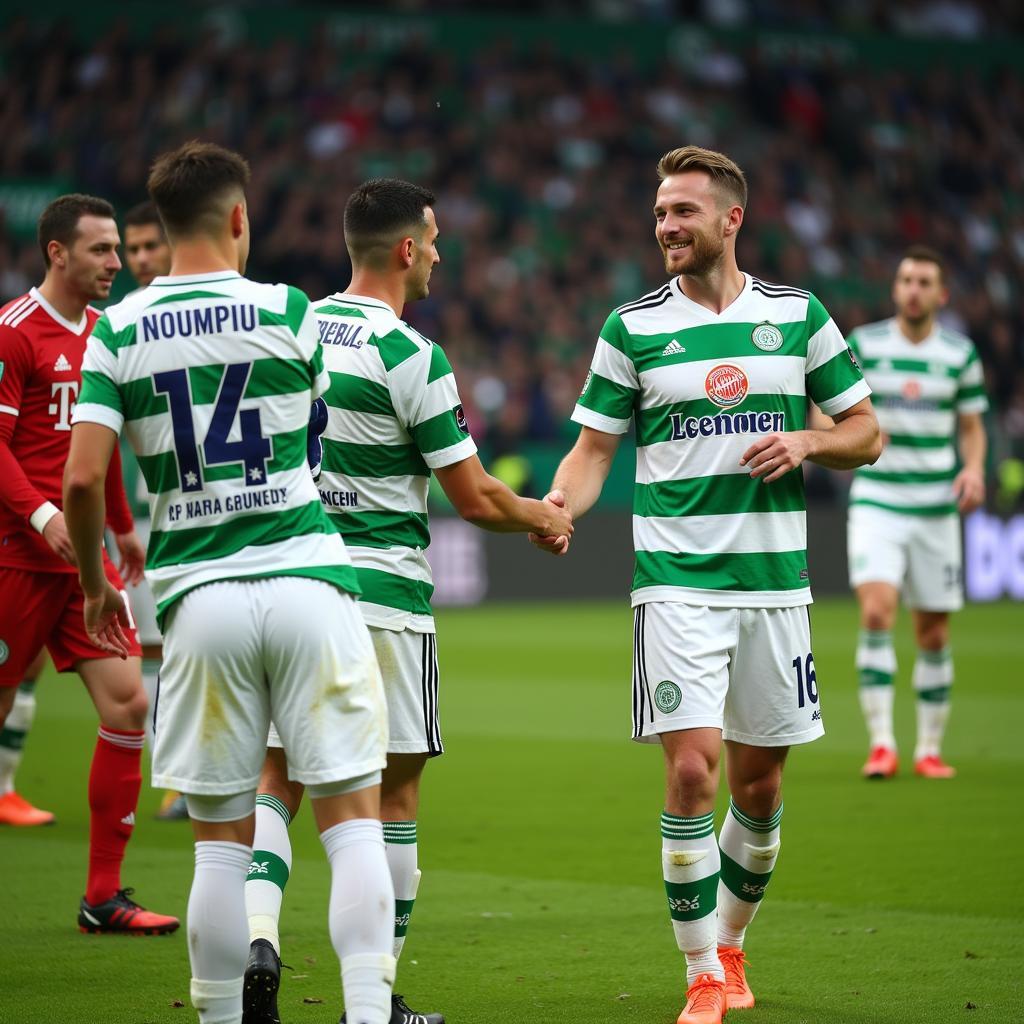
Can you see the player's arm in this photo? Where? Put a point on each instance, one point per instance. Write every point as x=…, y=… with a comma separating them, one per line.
x=579, y=480
x=487, y=502
x=969, y=485
x=119, y=519
x=85, y=474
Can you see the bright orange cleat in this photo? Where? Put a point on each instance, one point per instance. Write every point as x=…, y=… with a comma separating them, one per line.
x=882, y=763
x=705, y=1002
x=737, y=991
x=933, y=767
x=16, y=810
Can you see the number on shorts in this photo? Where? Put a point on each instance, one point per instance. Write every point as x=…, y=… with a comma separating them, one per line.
x=952, y=574
x=252, y=449
x=806, y=680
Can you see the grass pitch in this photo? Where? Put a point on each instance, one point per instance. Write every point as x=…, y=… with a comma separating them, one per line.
x=542, y=900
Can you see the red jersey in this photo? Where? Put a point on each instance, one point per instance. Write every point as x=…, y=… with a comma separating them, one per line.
x=40, y=377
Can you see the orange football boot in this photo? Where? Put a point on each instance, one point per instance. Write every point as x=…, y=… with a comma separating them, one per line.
x=16, y=810
x=705, y=1002
x=882, y=763
x=737, y=991
x=933, y=767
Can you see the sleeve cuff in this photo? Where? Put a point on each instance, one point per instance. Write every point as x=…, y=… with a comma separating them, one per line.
x=449, y=456
x=850, y=397
x=42, y=516
x=598, y=421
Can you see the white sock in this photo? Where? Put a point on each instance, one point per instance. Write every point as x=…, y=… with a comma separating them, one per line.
x=933, y=679
x=402, y=851
x=690, y=863
x=876, y=667
x=269, y=871
x=750, y=848
x=362, y=917
x=218, y=936
x=12, y=736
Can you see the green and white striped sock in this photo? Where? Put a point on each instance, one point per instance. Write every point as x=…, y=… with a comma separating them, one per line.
x=876, y=667
x=933, y=681
x=402, y=851
x=750, y=848
x=268, y=873
x=12, y=735
x=690, y=863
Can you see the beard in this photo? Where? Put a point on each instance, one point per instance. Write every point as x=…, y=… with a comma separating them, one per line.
x=705, y=254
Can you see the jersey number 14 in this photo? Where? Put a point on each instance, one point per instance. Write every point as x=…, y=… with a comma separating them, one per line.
x=252, y=449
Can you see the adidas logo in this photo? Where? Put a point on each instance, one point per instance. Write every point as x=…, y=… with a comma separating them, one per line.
x=62, y=365
x=128, y=819
x=673, y=348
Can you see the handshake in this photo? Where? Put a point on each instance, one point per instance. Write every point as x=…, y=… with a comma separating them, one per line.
x=558, y=530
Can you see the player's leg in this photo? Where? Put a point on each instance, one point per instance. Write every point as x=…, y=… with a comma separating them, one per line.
x=876, y=671
x=749, y=842
x=328, y=704
x=877, y=554
x=933, y=591
x=211, y=733
x=14, y=808
x=773, y=703
x=277, y=803
x=680, y=679
x=933, y=682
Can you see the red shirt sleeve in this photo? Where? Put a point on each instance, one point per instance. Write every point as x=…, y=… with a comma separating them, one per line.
x=119, y=514
x=16, y=491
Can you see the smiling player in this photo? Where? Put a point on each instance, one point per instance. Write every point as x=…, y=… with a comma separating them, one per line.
x=716, y=368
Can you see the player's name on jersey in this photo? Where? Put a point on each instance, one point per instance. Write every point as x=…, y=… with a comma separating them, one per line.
x=337, y=332
x=216, y=318
x=339, y=499
x=692, y=427
x=200, y=507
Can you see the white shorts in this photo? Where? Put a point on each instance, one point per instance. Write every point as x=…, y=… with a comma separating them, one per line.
x=746, y=671
x=408, y=668
x=920, y=555
x=240, y=651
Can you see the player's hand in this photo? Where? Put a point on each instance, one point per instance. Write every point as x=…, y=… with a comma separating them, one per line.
x=106, y=619
x=133, y=557
x=969, y=488
x=775, y=455
x=554, y=540
x=55, y=533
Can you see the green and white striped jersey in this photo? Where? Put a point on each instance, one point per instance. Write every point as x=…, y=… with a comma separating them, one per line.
x=393, y=415
x=212, y=377
x=920, y=388
x=702, y=387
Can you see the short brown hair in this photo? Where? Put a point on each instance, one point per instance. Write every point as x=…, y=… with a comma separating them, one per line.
x=193, y=186
x=724, y=173
x=379, y=213
x=926, y=254
x=142, y=214
x=59, y=221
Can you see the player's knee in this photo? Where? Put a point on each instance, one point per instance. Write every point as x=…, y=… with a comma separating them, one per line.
x=758, y=797
x=133, y=709
x=877, y=616
x=933, y=636
x=691, y=775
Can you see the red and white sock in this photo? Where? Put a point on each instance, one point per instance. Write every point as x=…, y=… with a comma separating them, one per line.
x=114, y=783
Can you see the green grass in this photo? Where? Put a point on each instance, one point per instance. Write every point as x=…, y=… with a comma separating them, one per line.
x=542, y=898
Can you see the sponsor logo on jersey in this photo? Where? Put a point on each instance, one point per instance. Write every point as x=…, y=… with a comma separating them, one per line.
x=673, y=348
x=911, y=390
x=667, y=696
x=339, y=499
x=688, y=428
x=62, y=365
x=767, y=337
x=726, y=385
x=460, y=419
x=5, y=652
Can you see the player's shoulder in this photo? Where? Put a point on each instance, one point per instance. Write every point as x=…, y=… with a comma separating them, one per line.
x=16, y=317
x=960, y=343
x=772, y=291
x=652, y=300
x=877, y=330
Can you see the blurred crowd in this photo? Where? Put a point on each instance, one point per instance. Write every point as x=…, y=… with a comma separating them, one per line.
x=544, y=168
